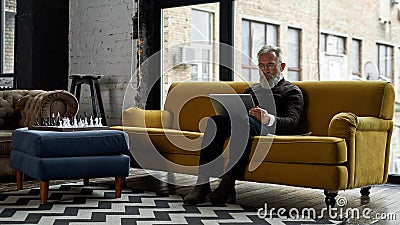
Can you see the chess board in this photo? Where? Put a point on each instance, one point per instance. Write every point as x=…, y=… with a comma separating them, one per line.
x=68, y=129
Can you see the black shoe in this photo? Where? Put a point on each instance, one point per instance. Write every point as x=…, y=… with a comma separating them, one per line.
x=197, y=195
x=225, y=192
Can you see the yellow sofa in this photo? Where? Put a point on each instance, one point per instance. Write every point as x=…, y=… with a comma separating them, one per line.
x=350, y=122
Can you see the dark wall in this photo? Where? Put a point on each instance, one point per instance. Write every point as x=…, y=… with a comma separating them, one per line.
x=42, y=28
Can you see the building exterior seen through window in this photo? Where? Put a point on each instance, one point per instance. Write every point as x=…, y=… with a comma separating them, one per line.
x=8, y=12
x=190, y=44
x=293, y=55
x=356, y=62
x=254, y=35
x=384, y=61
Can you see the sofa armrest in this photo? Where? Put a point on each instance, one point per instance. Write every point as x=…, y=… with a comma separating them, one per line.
x=37, y=104
x=136, y=117
x=368, y=146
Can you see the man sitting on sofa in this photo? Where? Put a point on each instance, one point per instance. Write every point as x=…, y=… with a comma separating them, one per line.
x=281, y=117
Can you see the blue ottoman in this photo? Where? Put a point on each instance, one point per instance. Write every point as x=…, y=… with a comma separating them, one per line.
x=50, y=155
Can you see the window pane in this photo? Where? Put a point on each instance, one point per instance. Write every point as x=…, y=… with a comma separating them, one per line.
x=340, y=45
x=381, y=59
x=323, y=43
x=258, y=34
x=206, y=64
x=356, y=56
x=293, y=56
x=245, y=74
x=293, y=76
x=389, y=63
x=245, y=42
x=272, y=35
x=201, y=26
x=255, y=76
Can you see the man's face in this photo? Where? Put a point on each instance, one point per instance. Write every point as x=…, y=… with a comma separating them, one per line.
x=270, y=69
x=268, y=65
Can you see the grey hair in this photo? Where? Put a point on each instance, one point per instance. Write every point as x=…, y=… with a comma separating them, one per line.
x=265, y=49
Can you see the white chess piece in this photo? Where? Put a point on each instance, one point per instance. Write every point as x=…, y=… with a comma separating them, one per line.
x=100, y=123
x=91, y=122
x=75, y=125
x=68, y=122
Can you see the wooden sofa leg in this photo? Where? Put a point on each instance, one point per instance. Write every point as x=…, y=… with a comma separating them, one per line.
x=19, y=177
x=44, y=190
x=330, y=196
x=365, y=191
x=118, y=186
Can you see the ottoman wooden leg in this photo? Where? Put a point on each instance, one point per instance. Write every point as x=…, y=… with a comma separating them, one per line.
x=19, y=177
x=118, y=186
x=44, y=190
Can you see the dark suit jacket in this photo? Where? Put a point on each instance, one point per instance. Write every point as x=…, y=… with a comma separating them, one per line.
x=286, y=104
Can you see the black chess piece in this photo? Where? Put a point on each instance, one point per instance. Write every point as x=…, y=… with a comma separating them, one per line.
x=37, y=121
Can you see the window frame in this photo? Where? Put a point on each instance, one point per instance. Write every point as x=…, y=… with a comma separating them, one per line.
x=387, y=62
x=325, y=37
x=357, y=73
x=251, y=65
x=296, y=69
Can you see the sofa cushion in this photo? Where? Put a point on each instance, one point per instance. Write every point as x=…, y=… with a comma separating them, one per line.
x=164, y=140
x=301, y=149
x=55, y=144
x=285, y=149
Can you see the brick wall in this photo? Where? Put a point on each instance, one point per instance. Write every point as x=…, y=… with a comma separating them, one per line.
x=100, y=43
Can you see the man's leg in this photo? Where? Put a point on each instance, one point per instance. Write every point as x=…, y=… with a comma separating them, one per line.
x=217, y=131
x=239, y=159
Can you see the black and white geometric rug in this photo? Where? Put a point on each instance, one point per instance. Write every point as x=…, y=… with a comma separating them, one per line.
x=75, y=204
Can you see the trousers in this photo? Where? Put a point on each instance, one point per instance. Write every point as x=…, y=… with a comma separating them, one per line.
x=241, y=130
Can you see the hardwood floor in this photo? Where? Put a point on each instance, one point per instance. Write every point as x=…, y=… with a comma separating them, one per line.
x=382, y=201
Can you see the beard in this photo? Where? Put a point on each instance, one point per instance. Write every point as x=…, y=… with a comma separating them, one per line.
x=270, y=83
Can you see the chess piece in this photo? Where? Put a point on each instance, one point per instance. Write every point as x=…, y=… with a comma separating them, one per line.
x=75, y=123
x=91, y=122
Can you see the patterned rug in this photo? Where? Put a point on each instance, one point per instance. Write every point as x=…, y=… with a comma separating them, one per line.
x=76, y=204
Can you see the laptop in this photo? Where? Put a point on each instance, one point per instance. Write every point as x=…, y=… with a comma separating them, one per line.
x=231, y=104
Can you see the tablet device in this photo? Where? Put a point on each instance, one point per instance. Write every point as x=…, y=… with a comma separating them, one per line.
x=231, y=104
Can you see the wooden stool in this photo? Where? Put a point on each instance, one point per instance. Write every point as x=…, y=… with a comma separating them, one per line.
x=93, y=82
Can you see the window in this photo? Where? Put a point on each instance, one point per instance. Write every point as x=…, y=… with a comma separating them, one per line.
x=384, y=61
x=255, y=35
x=189, y=37
x=332, y=44
x=333, y=61
x=356, y=53
x=293, y=55
x=7, y=27
x=201, y=30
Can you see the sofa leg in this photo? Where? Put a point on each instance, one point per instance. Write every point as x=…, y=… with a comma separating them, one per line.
x=118, y=186
x=330, y=196
x=19, y=177
x=44, y=190
x=365, y=191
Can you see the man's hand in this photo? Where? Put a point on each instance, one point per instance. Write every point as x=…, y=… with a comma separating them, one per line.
x=260, y=114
